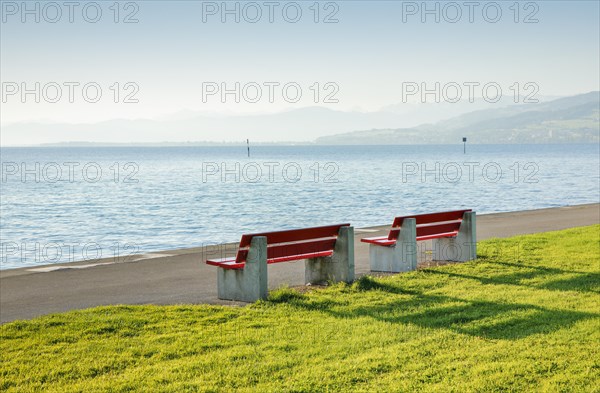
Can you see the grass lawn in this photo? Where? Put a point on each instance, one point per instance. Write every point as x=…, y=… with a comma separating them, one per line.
x=524, y=317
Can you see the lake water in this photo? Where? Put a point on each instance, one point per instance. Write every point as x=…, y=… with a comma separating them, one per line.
x=62, y=204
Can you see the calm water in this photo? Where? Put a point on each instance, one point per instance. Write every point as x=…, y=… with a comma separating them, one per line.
x=63, y=204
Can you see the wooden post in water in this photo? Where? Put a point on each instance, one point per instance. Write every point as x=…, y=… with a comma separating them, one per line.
x=248, y=144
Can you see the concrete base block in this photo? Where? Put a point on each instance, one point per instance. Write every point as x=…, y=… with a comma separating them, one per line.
x=338, y=267
x=461, y=248
x=399, y=258
x=388, y=259
x=250, y=283
x=448, y=249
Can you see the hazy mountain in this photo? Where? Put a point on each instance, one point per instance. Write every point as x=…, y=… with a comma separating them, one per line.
x=566, y=119
x=298, y=125
x=305, y=124
x=431, y=112
x=571, y=120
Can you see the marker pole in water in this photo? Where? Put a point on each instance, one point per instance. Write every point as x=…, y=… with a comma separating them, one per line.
x=464, y=145
x=248, y=144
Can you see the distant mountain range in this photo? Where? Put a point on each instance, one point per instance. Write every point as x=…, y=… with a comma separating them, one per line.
x=564, y=120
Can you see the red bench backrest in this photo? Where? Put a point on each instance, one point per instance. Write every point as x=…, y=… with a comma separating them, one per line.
x=293, y=242
x=430, y=224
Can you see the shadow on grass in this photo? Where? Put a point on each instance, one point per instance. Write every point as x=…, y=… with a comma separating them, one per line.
x=588, y=282
x=580, y=281
x=493, y=320
x=368, y=283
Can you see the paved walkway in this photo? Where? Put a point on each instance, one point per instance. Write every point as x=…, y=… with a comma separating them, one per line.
x=180, y=276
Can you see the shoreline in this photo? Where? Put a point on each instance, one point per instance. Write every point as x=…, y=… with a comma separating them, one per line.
x=264, y=144
x=182, y=277
x=47, y=267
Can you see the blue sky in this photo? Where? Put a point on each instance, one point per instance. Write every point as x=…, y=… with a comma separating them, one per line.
x=368, y=54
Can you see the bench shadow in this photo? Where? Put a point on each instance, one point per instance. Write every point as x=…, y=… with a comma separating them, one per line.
x=493, y=320
x=546, y=269
x=581, y=281
x=586, y=282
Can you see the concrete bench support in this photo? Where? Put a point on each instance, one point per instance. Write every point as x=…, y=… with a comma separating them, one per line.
x=401, y=257
x=336, y=268
x=250, y=283
x=461, y=248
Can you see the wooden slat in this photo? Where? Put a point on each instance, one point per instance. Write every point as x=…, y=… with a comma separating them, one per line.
x=281, y=250
x=437, y=236
x=432, y=217
x=430, y=229
x=294, y=235
x=298, y=257
x=427, y=230
x=220, y=260
x=423, y=219
x=225, y=263
x=291, y=249
x=382, y=241
x=230, y=263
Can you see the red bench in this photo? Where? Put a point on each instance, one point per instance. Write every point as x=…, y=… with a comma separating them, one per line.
x=329, y=251
x=429, y=226
x=454, y=232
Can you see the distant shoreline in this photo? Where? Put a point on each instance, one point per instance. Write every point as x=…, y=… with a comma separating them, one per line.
x=280, y=144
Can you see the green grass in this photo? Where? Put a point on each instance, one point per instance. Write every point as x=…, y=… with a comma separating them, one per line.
x=524, y=317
